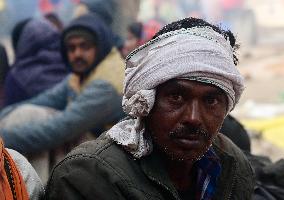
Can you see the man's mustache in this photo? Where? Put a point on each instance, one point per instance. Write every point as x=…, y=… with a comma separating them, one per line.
x=79, y=60
x=185, y=131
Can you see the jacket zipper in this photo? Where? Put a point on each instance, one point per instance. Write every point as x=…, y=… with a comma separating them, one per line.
x=164, y=186
x=233, y=184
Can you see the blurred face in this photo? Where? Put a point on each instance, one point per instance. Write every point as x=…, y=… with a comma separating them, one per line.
x=81, y=54
x=186, y=117
x=130, y=44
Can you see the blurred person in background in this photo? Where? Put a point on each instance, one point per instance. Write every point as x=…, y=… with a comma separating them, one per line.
x=54, y=19
x=150, y=28
x=18, y=179
x=38, y=65
x=106, y=10
x=4, y=68
x=139, y=33
x=134, y=38
x=88, y=100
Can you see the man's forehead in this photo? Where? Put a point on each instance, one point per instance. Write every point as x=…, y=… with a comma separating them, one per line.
x=80, y=35
x=191, y=87
x=183, y=82
x=79, y=40
x=76, y=38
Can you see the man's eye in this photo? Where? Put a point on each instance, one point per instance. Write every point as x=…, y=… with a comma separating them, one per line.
x=176, y=97
x=85, y=46
x=70, y=48
x=212, y=101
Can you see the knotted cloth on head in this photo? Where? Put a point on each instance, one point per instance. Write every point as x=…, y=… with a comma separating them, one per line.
x=197, y=53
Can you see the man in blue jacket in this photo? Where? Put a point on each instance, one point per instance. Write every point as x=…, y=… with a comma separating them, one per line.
x=87, y=100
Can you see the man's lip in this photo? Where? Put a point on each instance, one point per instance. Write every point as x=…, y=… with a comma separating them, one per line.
x=188, y=137
x=79, y=63
x=188, y=142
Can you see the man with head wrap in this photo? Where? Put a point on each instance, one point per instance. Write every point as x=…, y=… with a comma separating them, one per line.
x=178, y=89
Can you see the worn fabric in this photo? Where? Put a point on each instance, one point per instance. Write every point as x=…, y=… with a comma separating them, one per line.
x=198, y=53
x=32, y=181
x=38, y=65
x=112, y=173
x=129, y=133
x=12, y=185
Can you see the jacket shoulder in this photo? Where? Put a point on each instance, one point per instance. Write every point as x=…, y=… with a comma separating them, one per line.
x=97, y=147
x=104, y=154
x=101, y=164
x=223, y=145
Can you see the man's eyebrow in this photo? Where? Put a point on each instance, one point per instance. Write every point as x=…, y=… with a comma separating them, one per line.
x=216, y=92
x=173, y=85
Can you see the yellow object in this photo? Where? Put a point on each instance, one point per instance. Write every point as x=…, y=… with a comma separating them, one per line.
x=272, y=129
x=275, y=136
x=2, y=5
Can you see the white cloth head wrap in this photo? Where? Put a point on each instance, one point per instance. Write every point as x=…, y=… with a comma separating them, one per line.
x=198, y=53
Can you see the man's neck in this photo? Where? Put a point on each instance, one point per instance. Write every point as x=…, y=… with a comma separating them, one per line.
x=82, y=78
x=181, y=173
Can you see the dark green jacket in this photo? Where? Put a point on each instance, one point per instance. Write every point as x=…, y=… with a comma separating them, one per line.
x=102, y=170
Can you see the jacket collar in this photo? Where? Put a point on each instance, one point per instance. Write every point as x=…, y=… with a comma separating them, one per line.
x=154, y=169
x=227, y=179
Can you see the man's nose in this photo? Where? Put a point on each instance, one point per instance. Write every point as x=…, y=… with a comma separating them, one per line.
x=192, y=113
x=77, y=52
